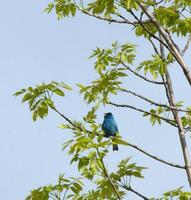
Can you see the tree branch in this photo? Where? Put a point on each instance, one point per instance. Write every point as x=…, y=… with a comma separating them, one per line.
x=151, y=101
x=140, y=76
x=154, y=47
x=135, y=192
x=170, y=38
x=169, y=121
x=124, y=21
x=67, y=119
x=181, y=130
x=155, y=157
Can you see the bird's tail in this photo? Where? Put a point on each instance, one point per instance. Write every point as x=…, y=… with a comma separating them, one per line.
x=115, y=147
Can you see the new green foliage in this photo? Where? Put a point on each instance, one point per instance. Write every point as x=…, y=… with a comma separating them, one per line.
x=39, y=98
x=159, y=23
x=66, y=188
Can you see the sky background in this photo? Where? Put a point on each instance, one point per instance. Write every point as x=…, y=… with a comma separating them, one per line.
x=36, y=48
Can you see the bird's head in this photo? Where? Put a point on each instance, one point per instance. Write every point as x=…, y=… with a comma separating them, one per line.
x=108, y=115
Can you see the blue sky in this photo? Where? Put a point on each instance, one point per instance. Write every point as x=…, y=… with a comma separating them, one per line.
x=35, y=47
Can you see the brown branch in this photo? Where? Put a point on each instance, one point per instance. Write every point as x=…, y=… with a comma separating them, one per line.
x=169, y=121
x=152, y=102
x=140, y=76
x=166, y=88
x=129, y=188
x=180, y=127
x=154, y=47
x=181, y=130
x=155, y=157
x=67, y=119
x=124, y=21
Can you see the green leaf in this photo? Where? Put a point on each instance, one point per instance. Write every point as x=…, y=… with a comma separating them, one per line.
x=73, y=10
x=49, y=8
x=26, y=97
x=179, y=103
x=19, y=92
x=84, y=161
x=42, y=110
x=65, y=86
x=34, y=115
x=77, y=186
x=174, y=192
x=74, y=189
x=63, y=126
x=58, y=92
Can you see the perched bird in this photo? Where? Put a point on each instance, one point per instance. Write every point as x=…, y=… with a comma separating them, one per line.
x=109, y=127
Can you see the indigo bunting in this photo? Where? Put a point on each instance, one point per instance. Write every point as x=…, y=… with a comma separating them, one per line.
x=109, y=127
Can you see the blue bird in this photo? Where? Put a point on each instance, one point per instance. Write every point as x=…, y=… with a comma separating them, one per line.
x=109, y=127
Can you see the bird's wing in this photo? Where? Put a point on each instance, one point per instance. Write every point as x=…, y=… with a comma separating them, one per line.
x=103, y=126
x=116, y=128
x=108, y=127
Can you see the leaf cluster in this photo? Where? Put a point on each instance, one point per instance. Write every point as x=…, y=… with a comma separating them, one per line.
x=63, y=8
x=156, y=66
x=66, y=188
x=107, y=65
x=39, y=98
x=170, y=18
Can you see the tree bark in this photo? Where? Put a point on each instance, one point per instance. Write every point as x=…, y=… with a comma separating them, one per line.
x=181, y=131
x=180, y=128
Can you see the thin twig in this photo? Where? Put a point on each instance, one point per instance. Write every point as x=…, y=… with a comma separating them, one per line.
x=106, y=19
x=170, y=37
x=155, y=157
x=151, y=101
x=140, y=76
x=157, y=3
x=135, y=192
x=67, y=119
x=169, y=121
x=124, y=21
x=166, y=86
x=154, y=47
